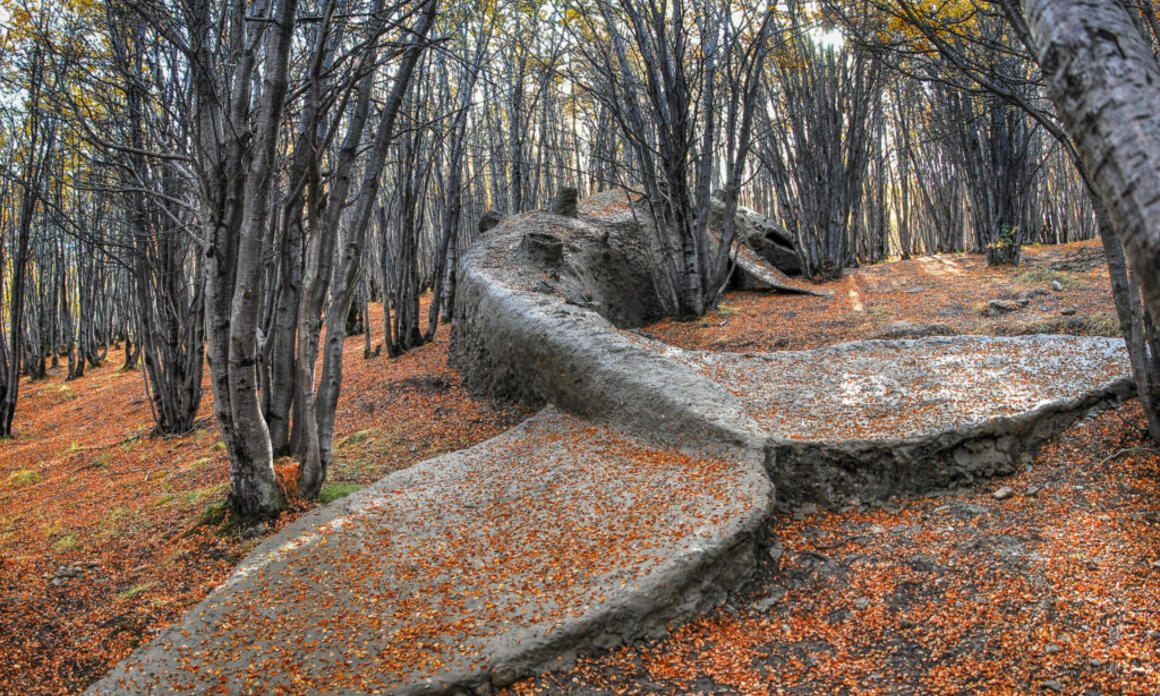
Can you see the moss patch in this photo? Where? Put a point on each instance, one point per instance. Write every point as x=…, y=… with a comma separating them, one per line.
x=333, y=491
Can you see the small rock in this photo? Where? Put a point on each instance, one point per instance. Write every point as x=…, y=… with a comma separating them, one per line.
x=1053, y=685
x=1067, y=311
x=1051, y=649
x=1056, y=285
x=807, y=509
x=1003, y=493
x=1156, y=564
x=1031, y=491
x=776, y=594
x=775, y=551
x=1003, y=306
x=503, y=675
x=861, y=603
x=905, y=623
x=1095, y=663
x=877, y=529
x=1152, y=634
x=483, y=689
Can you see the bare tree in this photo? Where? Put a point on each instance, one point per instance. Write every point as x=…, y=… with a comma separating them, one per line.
x=819, y=141
x=655, y=68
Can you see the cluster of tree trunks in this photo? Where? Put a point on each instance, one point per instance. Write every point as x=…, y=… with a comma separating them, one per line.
x=233, y=184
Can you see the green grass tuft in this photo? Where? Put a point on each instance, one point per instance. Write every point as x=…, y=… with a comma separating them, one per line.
x=1035, y=275
x=214, y=514
x=333, y=491
x=134, y=590
x=65, y=544
x=24, y=477
x=357, y=438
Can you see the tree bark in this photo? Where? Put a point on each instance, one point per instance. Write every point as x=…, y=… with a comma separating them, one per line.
x=1105, y=82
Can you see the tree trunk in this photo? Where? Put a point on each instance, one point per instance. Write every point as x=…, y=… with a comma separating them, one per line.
x=1105, y=82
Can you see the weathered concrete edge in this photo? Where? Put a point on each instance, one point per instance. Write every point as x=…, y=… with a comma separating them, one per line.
x=827, y=471
x=576, y=359
x=684, y=585
x=537, y=348
x=830, y=472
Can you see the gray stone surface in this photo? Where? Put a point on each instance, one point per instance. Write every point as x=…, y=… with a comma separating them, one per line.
x=862, y=420
x=770, y=241
x=536, y=334
x=908, y=416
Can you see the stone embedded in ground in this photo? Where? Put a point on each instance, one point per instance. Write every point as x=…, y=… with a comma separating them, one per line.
x=1005, y=306
x=887, y=417
x=906, y=329
x=1003, y=493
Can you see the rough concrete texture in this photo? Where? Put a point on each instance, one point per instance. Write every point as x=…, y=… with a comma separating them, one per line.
x=907, y=416
x=763, y=236
x=472, y=569
x=542, y=332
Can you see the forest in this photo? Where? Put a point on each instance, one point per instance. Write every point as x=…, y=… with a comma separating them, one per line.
x=257, y=255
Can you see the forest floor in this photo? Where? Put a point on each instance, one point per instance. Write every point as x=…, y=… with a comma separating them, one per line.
x=102, y=542
x=1053, y=590
x=104, y=537
x=943, y=294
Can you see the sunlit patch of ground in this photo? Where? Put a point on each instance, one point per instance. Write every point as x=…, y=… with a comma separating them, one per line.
x=947, y=294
